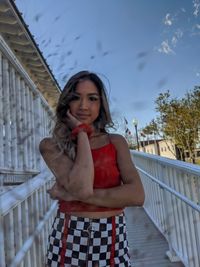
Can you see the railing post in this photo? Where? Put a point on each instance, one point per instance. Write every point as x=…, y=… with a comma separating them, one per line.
x=6, y=114
x=9, y=229
x=13, y=104
x=170, y=253
x=2, y=241
x=1, y=115
x=38, y=129
x=19, y=112
x=169, y=222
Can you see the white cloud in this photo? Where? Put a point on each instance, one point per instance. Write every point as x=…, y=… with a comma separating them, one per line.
x=177, y=35
x=196, y=5
x=165, y=48
x=174, y=41
x=168, y=20
x=195, y=30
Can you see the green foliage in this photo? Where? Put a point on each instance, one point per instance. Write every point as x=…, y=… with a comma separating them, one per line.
x=179, y=119
x=151, y=128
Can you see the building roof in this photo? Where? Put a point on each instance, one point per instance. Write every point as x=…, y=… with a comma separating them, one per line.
x=18, y=37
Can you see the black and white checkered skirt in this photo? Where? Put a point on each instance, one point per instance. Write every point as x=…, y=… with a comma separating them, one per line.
x=84, y=242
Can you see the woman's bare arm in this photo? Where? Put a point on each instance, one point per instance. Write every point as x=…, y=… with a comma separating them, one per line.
x=76, y=177
x=130, y=193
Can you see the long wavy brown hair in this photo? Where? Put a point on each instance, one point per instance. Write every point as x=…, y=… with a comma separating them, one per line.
x=61, y=131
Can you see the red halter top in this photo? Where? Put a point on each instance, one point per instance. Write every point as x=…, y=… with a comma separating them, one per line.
x=106, y=175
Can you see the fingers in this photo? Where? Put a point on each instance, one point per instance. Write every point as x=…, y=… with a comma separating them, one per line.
x=49, y=191
x=72, y=119
x=69, y=114
x=52, y=192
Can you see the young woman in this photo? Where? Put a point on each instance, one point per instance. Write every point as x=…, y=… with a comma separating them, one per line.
x=95, y=179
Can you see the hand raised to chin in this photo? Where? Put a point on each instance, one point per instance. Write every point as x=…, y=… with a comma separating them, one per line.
x=72, y=121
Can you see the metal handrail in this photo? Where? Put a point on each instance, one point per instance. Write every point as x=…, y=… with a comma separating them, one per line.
x=177, y=164
x=172, y=191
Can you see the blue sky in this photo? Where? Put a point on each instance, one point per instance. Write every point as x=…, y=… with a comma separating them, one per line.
x=139, y=48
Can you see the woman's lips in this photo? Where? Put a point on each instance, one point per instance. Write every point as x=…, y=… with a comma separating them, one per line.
x=83, y=116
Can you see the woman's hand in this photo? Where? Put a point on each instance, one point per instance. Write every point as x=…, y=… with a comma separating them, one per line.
x=58, y=192
x=72, y=121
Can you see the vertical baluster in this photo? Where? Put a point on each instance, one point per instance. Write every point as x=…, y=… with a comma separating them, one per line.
x=49, y=202
x=192, y=238
x=9, y=233
x=180, y=217
x=28, y=125
x=19, y=123
x=45, y=116
x=32, y=138
x=2, y=241
x=25, y=233
x=50, y=123
x=13, y=103
x=172, y=228
x=6, y=114
x=1, y=116
x=43, y=121
x=37, y=219
x=176, y=233
x=38, y=129
x=169, y=217
x=18, y=229
x=195, y=195
x=157, y=201
x=32, y=227
x=162, y=208
x=183, y=218
x=43, y=241
x=153, y=198
x=24, y=124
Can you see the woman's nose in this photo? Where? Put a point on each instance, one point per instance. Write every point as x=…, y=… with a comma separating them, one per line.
x=84, y=104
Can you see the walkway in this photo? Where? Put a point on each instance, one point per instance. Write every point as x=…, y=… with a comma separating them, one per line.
x=147, y=244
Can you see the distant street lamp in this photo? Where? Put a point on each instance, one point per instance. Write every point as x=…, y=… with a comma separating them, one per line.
x=135, y=123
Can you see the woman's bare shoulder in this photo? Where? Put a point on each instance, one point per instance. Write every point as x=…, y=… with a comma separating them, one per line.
x=117, y=137
x=47, y=144
x=118, y=140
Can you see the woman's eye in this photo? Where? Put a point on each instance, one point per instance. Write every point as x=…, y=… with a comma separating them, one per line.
x=74, y=98
x=93, y=98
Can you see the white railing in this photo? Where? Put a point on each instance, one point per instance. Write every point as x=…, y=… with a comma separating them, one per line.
x=172, y=201
x=10, y=178
x=26, y=215
x=25, y=118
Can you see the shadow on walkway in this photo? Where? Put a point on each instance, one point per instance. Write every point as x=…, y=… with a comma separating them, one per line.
x=147, y=245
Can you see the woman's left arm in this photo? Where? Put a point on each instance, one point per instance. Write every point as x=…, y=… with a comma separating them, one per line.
x=131, y=192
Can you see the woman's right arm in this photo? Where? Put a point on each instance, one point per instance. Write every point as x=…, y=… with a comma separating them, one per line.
x=75, y=176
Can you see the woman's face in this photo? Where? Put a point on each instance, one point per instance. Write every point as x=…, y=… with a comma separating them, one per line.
x=85, y=103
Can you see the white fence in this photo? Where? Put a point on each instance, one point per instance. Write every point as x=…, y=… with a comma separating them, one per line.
x=26, y=215
x=24, y=120
x=172, y=202
x=26, y=212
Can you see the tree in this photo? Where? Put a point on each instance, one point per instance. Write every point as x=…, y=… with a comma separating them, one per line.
x=179, y=120
x=152, y=129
